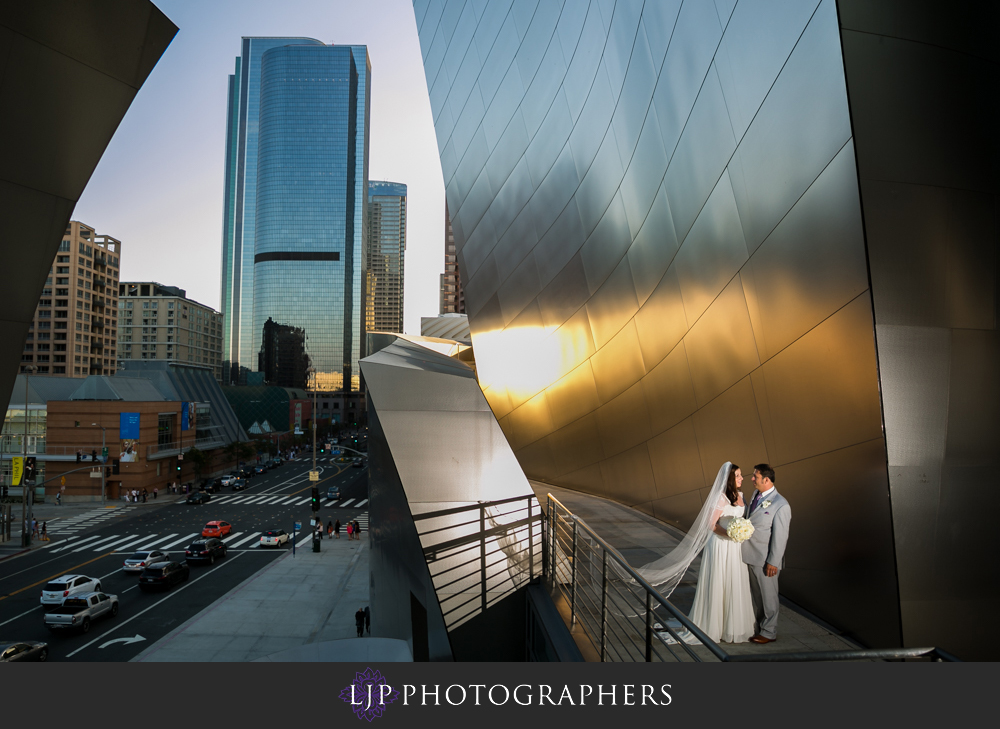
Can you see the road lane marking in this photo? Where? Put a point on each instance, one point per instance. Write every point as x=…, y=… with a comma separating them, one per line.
x=306, y=500
x=70, y=571
x=231, y=537
x=180, y=541
x=344, y=505
x=360, y=504
x=158, y=602
x=128, y=544
x=112, y=544
x=102, y=540
x=234, y=545
x=92, y=540
x=149, y=545
x=11, y=620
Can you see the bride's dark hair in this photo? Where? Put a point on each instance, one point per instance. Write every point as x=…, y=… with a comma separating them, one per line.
x=731, y=492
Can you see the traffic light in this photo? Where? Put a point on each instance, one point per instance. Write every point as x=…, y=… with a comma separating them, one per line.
x=322, y=449
x=178, y=466
x=314, y=504
x=107, y=471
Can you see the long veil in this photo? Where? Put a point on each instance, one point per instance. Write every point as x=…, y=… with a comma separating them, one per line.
x=666, y=572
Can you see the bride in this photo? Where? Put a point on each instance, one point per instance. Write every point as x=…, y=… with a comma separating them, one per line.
x=722, y=607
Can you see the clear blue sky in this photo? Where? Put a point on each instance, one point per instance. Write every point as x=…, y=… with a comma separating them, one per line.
x=158, y=187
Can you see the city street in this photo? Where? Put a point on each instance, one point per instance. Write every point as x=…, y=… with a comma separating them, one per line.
x=95, y=542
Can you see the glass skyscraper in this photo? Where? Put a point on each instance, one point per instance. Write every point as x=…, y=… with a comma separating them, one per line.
x=295, y=203
x=385, y=256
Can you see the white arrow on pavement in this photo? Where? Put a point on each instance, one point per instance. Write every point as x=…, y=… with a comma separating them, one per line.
x=134, y=639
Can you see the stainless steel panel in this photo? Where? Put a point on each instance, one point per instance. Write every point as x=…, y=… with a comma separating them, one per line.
x=556, y=216
x=728, y=430
x=813, y=262
x=645, y=172
x=919, y=234
x=544, y=86
x=519, y=289
x=573, y=396
x=605, y=248
x=653, y=248
x=701, y=156
x=624, y=422
x=582, y=50
x=511, y=198
x=523, y=11
x=830, y=371
x=822, y=575
x=675, y=461
x=658, y=21
x=636, y=93
x=477, y=202
x=669, y=391
x=725, y=9
x=661, y=323
x=915, y=368
x=498, y=400
x=530, y=422
x=565, y=295
x=628, y=476
x=468, y=121
x=680, y=510
x=618, y=365
x=800, y=127
x=588, y=136
x=689, y=55
x=578, y=444
x=508, y=152
x=612, y=305
x=588, y=479
x=712, y=252
x=499, y=59
x=486, y=283
x=535, y=42
x=516, y=244
x=974, y=399
x=536, y=459
x=503, y=105
x=550, y=139
x=621, y=36
x=916, y=495
x=600, y=185
x=574, y=345
x=758, y=40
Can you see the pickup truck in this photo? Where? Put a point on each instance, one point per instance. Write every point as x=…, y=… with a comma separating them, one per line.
x=79, y=611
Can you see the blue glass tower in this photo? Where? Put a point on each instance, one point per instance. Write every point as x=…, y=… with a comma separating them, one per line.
x=296, y=176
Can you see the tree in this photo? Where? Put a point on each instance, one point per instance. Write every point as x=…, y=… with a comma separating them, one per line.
x=198, y=460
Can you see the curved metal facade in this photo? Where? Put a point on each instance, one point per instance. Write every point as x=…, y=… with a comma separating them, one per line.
x=659, y=225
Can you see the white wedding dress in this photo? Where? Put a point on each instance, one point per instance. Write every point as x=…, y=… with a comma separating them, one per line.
x=722, y=605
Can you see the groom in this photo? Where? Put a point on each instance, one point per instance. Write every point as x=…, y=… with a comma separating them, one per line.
x=764, y=551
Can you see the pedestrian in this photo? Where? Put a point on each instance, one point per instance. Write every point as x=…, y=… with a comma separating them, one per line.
x=34, y=528
x=59, y=498
x=145, y=495
x=156, y=490
x=45, y=531
x=359, y=620
x=350, y=530
x=357, y=530
x=329, y=529
x=336, y=529
x=368, y=620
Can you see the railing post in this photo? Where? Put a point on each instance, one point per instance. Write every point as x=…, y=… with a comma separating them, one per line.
x=531, y=545
x=649, y=627
x=572, y=599
x=604, y=605
x=482, y=549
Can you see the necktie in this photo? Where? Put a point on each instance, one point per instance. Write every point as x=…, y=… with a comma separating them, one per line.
x=753, y=504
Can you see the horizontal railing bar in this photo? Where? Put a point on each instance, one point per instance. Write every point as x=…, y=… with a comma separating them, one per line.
x=431, y=551
x=460, y=509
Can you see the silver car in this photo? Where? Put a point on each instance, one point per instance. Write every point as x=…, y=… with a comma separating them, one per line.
x=138, y=561
x=61, y=587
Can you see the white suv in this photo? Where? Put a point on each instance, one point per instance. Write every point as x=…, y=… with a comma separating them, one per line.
x=228, y=479
x=54, y=591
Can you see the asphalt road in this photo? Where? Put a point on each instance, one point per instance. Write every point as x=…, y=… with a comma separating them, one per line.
x=96, y=546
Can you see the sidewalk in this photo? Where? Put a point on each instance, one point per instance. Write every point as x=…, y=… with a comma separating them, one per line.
x=295, y=601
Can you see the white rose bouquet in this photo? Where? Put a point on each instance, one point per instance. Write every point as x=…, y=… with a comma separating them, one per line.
x=739, y=529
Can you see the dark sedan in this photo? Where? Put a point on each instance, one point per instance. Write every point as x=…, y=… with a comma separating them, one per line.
x=163, y=575
x=260, y=470
x=246, y=471
x=199, y=497
x=205, y=550
x=26, y=651
x=238, y=484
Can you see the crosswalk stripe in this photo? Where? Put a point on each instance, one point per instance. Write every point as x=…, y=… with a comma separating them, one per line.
x=231, y=537
x=240, y=500
x=346, y=503
x=289, y=500
x=179, y=541
x=255, y=499
x=74, y=544
x=102, y=540
x=272, y=499
x=137, y=540
x=360, y=504
x=224, y=499
x=150, y=545
x=306, y=500
x=244, y=541
x=129, y=538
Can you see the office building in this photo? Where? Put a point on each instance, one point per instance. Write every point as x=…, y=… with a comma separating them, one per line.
x=295, y=204
x=74, y=330
x=452, y=295
x=698, y=232
x=158, y=322
x=385, y=256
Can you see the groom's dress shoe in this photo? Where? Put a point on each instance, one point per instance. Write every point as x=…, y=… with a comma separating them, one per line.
x=760, y=639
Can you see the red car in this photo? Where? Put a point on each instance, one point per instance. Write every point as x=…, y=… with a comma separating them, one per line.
x=217, y=529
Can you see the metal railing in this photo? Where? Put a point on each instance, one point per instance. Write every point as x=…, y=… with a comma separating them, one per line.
x=481, y=553
x=166, y=450
x=624, y=618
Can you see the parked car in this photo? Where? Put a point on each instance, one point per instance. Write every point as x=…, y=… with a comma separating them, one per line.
x=274, y=463
x=199, y=497
x=205, y=550
x=163, y=575
x=238, y=484
x=78, y=611
x=138, y=561
x=217, y=529
x=246, y=471
x=24, y=651
x=358, y=463
x=62, y=587
x=259, y=470
x=333, y=492
x=274, y=538
x=228, y=479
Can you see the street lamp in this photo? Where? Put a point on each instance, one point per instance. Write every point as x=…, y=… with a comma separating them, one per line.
x=104, y=447
x=25, y=506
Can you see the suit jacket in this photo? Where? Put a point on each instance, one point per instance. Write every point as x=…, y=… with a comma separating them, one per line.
x=770, y=531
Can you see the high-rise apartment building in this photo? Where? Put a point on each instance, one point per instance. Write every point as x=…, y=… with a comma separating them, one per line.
x=452, y=295
x=73, y=333
x=295, y=202
x=384, y=257
x=159, y=322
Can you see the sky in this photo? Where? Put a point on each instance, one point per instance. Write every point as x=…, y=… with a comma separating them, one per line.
x=158, y=189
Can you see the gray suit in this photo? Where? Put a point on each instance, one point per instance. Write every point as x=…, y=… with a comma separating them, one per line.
x=766, y=546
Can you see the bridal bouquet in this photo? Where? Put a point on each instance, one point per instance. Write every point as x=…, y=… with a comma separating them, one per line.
x=739, y=529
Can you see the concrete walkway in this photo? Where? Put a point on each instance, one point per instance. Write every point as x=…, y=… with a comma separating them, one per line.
x=295, y=601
